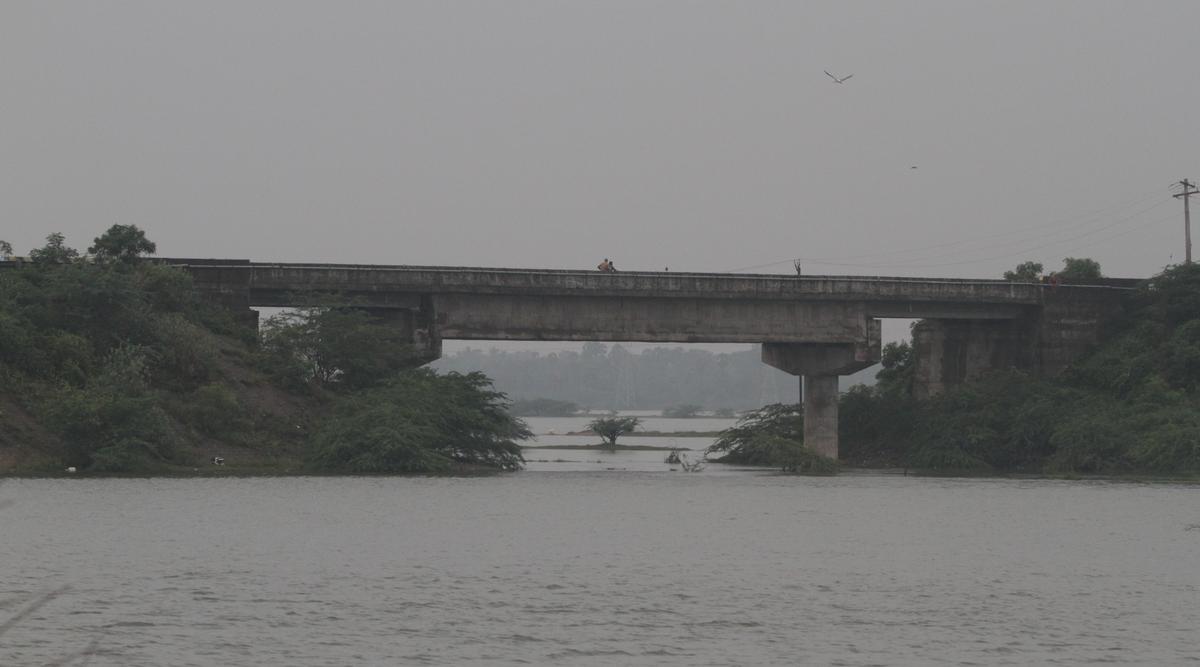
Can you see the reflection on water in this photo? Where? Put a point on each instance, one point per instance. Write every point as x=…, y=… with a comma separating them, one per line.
x=589, y=567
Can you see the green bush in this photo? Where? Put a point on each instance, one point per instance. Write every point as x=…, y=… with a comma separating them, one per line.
x=420, y=422
x=115, y=423
x=214, y=410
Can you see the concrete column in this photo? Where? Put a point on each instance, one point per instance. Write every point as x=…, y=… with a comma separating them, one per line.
x=820, y=364
x=821, y=414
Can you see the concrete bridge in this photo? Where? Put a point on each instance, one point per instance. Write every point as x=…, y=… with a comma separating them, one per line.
x=815, y=327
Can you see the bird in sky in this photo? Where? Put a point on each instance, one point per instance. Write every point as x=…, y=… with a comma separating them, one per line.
x=837, y=80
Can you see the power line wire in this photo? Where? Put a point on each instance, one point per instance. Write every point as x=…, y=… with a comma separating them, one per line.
x=1006, y=255
x=881, y=254
x=905, y=262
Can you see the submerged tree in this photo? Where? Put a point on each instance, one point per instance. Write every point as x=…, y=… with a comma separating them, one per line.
x=611, y=428
x=685, y=411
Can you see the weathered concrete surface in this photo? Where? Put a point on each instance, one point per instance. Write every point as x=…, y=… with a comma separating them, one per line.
x=288, y=284
x=826, y=359
x=1071, y=323
x=687, y=319
x=951, y=352
x=821, y=414
x=1043, y=342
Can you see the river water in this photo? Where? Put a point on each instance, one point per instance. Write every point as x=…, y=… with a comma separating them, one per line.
x=621, y=562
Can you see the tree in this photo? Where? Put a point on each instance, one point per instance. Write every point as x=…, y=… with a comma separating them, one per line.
x=423, y=422
x=1082, y=268
x=6, y=250
x=54, y=252
x=123, y=243
x=756, y=438
x=772, y=435
x=1026, y=272
x=611, y=428
x=335, y=348
x=899, y=368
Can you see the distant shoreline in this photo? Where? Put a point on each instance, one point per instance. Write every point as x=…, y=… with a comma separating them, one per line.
x=609, y=448
x=650, y=434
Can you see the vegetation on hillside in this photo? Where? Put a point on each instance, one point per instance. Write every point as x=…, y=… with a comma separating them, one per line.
x=112, y=363
x=1132, y=406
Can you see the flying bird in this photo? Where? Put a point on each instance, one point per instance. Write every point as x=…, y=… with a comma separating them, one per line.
x=837, y=80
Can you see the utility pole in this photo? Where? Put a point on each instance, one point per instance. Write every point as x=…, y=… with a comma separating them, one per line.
x=1188, y=191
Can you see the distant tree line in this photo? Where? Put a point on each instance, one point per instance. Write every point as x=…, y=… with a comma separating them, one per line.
x=603, y=377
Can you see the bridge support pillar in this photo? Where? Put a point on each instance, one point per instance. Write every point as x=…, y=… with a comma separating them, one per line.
x=820, y=365
x=821, y=414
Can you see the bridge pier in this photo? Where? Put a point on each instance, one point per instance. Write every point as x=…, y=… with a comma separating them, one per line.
x=820, y=365
x=820, y=398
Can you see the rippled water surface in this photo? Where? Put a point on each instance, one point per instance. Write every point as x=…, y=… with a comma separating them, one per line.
x=600, y=566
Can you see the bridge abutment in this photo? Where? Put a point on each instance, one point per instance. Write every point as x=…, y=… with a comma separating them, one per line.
x=948, y=353
x=418, y=326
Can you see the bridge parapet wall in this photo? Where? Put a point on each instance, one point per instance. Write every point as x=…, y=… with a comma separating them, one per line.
x=300, y=278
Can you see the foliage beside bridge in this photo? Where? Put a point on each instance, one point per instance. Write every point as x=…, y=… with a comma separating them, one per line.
x=1132, y=406
x=109, y=364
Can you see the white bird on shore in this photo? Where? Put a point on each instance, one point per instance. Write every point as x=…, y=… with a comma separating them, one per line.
x=836, y=79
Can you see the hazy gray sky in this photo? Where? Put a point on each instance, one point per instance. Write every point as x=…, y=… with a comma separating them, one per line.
x=699, y=135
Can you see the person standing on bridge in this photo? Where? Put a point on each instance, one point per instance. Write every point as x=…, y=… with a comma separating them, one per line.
x=604, y=266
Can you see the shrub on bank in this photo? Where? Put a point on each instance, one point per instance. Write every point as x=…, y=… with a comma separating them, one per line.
x=420, y=422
